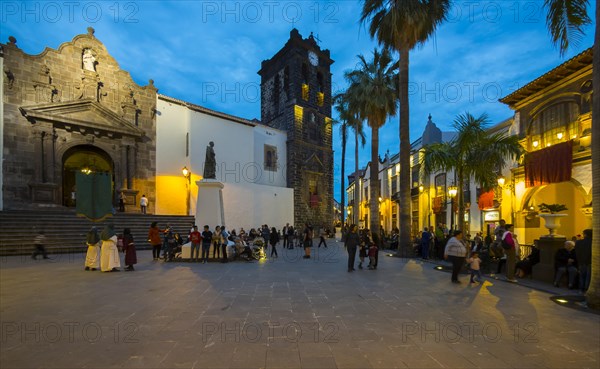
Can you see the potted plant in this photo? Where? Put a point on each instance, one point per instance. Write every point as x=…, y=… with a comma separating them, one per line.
x=551, y=217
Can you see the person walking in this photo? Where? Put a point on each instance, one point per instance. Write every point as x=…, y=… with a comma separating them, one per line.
x=39, y=242
x=583, y=250
x=109, y=254
x=92, y=257
x=322, y=235
x=144, y=204
x=351, y=243
x=122, y=202
x=206, y=241
x=475, y=263
x=508, y=239
x=455, y=252
x=273, y=240
x=154, y=239
x=129, y=250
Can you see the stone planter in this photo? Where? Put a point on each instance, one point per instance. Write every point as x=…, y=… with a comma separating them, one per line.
x=552, y=222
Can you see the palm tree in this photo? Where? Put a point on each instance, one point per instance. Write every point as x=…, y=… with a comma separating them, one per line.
x=348, y=117
x=470, y=155
x=565, y=21
x=401, y=25
x=373, y=94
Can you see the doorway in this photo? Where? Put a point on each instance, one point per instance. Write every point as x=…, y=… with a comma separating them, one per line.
x=86, y=159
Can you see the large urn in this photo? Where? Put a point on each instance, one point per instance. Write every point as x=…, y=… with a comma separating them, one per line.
x=552, y=222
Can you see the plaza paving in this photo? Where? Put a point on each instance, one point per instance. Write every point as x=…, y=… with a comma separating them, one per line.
x=283, y=313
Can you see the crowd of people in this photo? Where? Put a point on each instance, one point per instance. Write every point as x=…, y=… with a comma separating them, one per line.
x=503, y=247
x=103, y=248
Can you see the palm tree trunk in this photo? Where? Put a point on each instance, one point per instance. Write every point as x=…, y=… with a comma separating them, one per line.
x=343, y=187
x=356, y=207
x=405, y=171
x=593, y=294
x=461, y=202
x=374, y=182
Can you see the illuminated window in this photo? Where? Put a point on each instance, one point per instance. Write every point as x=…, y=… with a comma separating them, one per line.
x=305, y=92
x=298, y=114
x=554, y=124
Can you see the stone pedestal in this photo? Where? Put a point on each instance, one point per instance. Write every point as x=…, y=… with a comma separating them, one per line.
x=544, y=271
x=186, y=251
x=209, y=206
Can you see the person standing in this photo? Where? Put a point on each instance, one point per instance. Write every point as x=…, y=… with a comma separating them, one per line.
x=109, y=254
x=351, y=243
x=224, y=241
x=206, y=241
x=129, y=249
x=122, y=202
x=39, y=242
x=216, y=241
x=307, y=239
x=290, y=234
x=456, y=252
x=425, y=243
x=92, y=257
x=273, y=239
x=154, y=239
x=583, y=250
x=508, y=239
x=195, y=239
x=144, y=204
x=284, y=233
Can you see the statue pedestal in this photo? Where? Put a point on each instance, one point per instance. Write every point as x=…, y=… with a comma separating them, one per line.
x=209, y=206
x=544, y=271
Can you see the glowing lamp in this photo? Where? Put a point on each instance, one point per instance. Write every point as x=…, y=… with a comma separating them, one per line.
x=536, y=143
x=185, y=172
x=421, y=188
x=452, y=191
x=501, y=181
x=559, y=135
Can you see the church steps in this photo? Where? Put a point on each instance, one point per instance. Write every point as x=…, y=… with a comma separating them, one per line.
x=66, y=232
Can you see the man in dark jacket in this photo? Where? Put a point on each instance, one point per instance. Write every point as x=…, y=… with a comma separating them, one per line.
x=583, y=250
x=352, y=242
x=565, y=261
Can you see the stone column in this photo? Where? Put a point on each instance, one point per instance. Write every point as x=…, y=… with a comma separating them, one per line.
x=38, y=136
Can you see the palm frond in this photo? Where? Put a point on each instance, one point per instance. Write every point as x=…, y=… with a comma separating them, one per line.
x=565, y=21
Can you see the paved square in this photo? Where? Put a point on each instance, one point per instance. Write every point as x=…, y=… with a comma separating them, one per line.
x=283, y=313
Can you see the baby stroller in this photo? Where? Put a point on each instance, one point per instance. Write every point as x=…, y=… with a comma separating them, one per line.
x=258, y=248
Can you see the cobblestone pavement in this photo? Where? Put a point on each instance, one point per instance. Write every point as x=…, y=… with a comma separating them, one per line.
x=287, y=312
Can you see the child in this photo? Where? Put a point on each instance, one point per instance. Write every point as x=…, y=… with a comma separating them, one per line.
x=475, y=262
x=372, y=256
x=40, y=248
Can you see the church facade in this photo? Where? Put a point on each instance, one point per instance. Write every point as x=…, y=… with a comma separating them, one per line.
x=68, y=110
x=74, y=110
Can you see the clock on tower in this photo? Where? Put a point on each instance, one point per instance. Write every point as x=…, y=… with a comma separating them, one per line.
x=296, y=97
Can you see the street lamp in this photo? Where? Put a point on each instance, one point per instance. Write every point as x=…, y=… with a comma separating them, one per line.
x=452, y=192
x=501, y=181
x=188, y=175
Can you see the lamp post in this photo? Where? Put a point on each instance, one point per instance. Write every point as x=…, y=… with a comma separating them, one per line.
x=188, y=176
x=452, y=191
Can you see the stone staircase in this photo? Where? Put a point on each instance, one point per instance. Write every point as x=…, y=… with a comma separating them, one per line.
x=66, y=232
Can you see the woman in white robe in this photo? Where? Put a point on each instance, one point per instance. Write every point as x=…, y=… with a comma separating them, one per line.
x=109, y=255
x=92, y=258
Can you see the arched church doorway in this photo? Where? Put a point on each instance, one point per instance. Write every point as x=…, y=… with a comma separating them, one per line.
x=85, y=159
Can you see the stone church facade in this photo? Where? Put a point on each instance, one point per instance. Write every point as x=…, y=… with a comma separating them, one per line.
x=73, y=109
x=296, y=98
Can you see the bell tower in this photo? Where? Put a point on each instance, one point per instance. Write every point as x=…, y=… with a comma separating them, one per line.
x=296, y=98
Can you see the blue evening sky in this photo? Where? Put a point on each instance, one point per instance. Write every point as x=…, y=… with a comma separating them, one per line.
x=209, y=52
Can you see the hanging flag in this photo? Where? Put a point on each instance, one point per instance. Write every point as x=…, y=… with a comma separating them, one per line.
x=94, y=195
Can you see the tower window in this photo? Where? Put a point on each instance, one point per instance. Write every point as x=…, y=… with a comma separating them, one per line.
x=270, y=158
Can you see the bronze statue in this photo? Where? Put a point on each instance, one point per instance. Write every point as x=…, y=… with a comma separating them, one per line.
x=210, y=163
